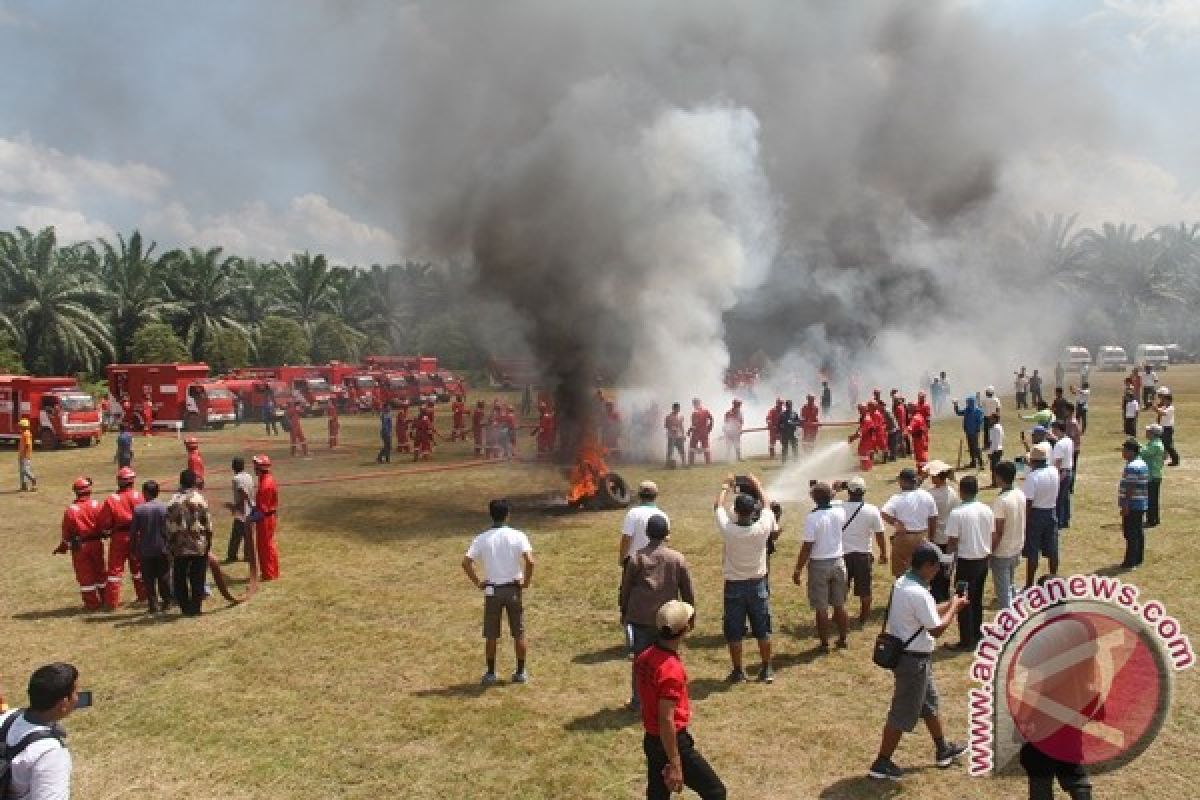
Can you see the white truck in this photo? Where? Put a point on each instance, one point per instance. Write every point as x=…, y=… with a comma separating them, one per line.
x=1152, y=355
x=1112, y=358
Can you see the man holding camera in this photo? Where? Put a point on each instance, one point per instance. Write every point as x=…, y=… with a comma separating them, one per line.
x=969, y=530
x=915, y=619
x=745, y=537
x=33, y=740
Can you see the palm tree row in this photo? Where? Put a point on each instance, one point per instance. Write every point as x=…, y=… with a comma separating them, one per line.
x=73, y=308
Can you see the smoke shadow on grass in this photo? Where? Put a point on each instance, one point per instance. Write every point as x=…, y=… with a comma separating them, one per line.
x=435, y=517
x=617, y=652
x=860, y=786
x=606, y=719
x=53, y=613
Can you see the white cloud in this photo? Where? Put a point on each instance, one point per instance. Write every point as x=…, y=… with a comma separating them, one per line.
x=1176, y=22
x=27, y=168
x=71, y=225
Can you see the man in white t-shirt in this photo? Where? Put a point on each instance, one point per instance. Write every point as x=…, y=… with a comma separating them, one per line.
x=744, y=565
x=633, y=528
x=915, y=619
x=946, y=499
x=1062, y=455
x=41, y=769
x=1008, y=537
x=969, y=532
x=507, y=560
x=1082, y=395
x=821, y=552
x=990, y=404
x=240, y=507
x=863, y=522
x=913, y=515
x=1132, y=407
x=1041, y=522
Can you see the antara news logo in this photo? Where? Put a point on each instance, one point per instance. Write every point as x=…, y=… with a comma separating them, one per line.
x=1080, y=668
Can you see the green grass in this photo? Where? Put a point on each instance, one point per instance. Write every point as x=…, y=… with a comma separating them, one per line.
x=355, y=675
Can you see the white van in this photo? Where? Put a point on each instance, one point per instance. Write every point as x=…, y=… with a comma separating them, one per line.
x=1111, y=358
x=1074, y=358
x=1152, y=355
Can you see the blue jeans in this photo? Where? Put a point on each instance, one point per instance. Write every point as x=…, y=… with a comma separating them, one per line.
x=747, y=599
x=1004, y=578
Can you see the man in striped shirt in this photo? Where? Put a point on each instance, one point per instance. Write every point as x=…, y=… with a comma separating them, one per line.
x=1133, y=499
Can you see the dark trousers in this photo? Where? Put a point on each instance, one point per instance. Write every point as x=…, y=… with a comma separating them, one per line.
x=156, y=571
x=787, y=442
x=1042, y=770
x=1036, y=396
x=1131, y=426
x=973, y=449
x=237, y=534
x=1062, y=508
x=1021, y=401
x=974, y=571
x=1081, y=415
x=190, y=572
x=385, y=452
x=1168, y=440
x=271, y=425
x=697, y=774
x=1133, y=530
x=1147, y=396
x=1152, y=517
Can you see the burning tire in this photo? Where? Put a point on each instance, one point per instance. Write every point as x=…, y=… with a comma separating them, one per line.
x=613, y=492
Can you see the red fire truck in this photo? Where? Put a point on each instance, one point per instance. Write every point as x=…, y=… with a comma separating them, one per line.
x=406, y=379
x=309, y=388
x=253, y=392
x=57, y=409
x=181, y=394
x=353, y=388
x=448, y=384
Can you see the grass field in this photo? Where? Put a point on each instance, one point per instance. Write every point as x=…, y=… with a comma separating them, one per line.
x=355, y=676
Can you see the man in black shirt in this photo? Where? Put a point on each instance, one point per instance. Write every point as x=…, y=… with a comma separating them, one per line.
x=789, y=421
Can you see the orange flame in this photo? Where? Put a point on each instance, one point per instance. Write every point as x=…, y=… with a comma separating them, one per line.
x=588, y=470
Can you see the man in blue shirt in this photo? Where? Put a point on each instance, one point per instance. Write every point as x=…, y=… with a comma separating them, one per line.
x=972, y=425
x=124, y=447
x=1133, y=499
x=385, y=435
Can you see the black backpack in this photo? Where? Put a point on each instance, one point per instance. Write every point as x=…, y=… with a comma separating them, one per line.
x=7, y=753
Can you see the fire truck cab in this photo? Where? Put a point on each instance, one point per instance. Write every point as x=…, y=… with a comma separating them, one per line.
x=57, y=409
x=181, y=395
x=353, y=389
x=253, y=394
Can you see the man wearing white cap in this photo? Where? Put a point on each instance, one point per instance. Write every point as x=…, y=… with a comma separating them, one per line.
x=991, y=408
x=1041, y=523
x=633, y=533
x=1154, y=454
x=672, y=760
x=1165, y=410
x=863, y=522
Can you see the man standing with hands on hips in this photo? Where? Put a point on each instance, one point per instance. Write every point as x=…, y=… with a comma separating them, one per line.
x=507, y=560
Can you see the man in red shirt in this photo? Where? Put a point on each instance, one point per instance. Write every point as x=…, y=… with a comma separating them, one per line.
x=545, y=431
x=702, y=425
x=195, y=462
x=810, y=423
x=266, y=503
x=115, y=517
x=773, y=426
x=84, y=540
x=672, y=760
x=295, y=431
x=477, y=424
x=458, y=411
x=147, y=416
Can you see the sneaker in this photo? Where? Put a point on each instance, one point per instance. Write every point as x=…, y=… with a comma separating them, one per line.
x=948, y=752
x=520, y=677
x=842, y=644
x=488, y=679
x=766, y=675
x=736, y=676
x=884, y=769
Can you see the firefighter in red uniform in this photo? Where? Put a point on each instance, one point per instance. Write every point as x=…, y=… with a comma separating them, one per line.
x=923, y=408
x=698, y=434
x=865, y=435
x=423, y=435
x=295, y=431
x=918, y=431
x=266, y=502
x=334, y=423
x=610, y=428
x=115, y=516
x=478, y=417
x=401, y=429
x=84, y=540
x=195, y=462
x=879, y=428
x=810, y=423
x=773, y=426
x=545, y=430
x=458, y=411
x=147, y=416
x=127, y=412
x=900, y=412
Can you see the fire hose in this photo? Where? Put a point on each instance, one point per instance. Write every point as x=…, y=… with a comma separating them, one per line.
x=251, y=558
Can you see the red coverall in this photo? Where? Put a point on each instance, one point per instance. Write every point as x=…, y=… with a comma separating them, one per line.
x=923, y=408
x=810, y=423
x=267, y=502
x=458, y=410
x=196, y=464
x=901, y=415
x=879, y=428
x=115, y=515
x=79, y=520
x=147, y=417
x=773, y=427
x=866, y=440
x=295, y=431
x=919, y=432
x=545, y=433
x=477, y=420
x=423, y=433
x=702, y=425
x=335, y=425
x=402, y=437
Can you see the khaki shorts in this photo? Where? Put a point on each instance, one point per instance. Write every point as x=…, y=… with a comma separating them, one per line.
x=508, y=600
x=826, y=583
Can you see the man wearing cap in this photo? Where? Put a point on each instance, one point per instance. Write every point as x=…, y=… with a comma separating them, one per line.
x=810, y=421
x=918, y=432
x=25, y=458
x=1062, y=455
x=672, y=760
x=731, y=431
x=116, y=515
x=1041, y=521
x=1165, y=411
x=972, y=425
x=946, y=499
x=1133, y=500
x=506, y=557
x=821, y=550
x=744, y=565
x=1008, y=535
x=633, y=527
x=195, y=462
x=1131, y=409
x=862, y=523
x=990, y=404
x=653, y=575
x=699, y=432
x=148, y=535
x=1154, y=454
x=296, y=436
x=83, y=538
x=266, y=501
x=914, y=618
x=995, y=447
x=969, y=534
x=913, y=515
x=1082, y=395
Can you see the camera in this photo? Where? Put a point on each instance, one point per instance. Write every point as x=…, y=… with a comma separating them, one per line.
x=960, y=588
x=83, y=698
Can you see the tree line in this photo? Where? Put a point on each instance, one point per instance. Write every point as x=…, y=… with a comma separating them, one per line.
x=67, y=309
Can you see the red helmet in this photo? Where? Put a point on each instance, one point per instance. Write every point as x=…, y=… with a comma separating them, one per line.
x=125, y=475
x=82, y=486
x=737, y=402
x=262, y=462
x=191, y=443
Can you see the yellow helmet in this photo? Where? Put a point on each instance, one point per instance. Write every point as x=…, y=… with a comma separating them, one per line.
x=24, y=423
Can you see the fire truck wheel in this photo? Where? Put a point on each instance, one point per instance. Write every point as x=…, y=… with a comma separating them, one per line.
x=88, y=442
x=614, y=492
x=48, y=439
x=193, y=422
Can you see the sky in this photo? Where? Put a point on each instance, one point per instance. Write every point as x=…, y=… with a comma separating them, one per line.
x=209, y=123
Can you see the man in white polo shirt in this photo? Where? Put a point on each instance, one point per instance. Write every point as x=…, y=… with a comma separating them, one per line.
x=1041, y=524
x=862, y=523
x=821, y=551
x=507, y=560
x=945, y=497
x=744, y=564
x=969, y=533
x=39, y=761
x=1008, y=537
x=914, y=516
x=1062, y=455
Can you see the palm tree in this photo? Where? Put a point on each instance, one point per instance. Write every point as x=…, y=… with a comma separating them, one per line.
x=1051, y=250
x=308, y=288
x=259, y=292
x=205, y=287
x=1139, y=284
x=138, y=287
x=49, y=301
